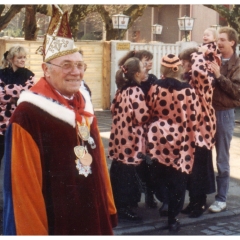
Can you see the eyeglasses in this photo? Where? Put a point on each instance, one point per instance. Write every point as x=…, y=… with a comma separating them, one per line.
x=68, y=66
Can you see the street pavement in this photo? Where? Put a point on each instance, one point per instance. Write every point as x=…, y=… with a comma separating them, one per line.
x=224, y=223
x=225, y=226
x=208, y=223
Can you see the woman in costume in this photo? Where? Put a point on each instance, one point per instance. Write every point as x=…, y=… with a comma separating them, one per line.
x=174, y=111
x=127, y=139
x=14, y=78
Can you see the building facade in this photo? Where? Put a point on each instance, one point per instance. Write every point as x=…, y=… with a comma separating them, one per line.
x=167, y=15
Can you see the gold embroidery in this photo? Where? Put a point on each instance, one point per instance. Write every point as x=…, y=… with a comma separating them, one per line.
x=59, y=54
x=64, y=26
x=56, y=18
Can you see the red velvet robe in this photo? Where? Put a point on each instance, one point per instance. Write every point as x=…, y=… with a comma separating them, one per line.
x=44, y=193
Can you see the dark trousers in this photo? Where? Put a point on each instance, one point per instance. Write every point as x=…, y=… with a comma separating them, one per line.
x=157, y=183
x=174, y=182
x=201, y=181
x=145, y=176
x=125, y=184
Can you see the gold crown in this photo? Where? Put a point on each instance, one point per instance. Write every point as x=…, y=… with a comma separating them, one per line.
x=58, y=41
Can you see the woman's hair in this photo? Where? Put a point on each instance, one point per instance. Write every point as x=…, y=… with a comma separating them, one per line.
x=11, y=53
x=232, y=35
x=125, y=75
x=122, y=60
x=171, y=66
x=5, y=62
x=143, y=53
x=140, y=54
x=169, y=73
x=186, y=54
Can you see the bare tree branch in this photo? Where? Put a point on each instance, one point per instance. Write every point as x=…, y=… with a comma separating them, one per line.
x=78, y=14
x=6, y=18
x=232, y=15
x=30, y=24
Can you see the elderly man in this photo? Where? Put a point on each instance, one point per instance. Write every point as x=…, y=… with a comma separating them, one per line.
x=56, y=179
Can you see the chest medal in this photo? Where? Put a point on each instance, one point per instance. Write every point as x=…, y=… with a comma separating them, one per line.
x=83, y=132
x=83, y=161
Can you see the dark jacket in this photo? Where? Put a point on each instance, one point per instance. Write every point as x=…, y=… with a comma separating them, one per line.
x=20, y=76
x=226, y=94
x=145, y=85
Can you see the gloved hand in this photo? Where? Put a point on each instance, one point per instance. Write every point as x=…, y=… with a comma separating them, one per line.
x=148, y=160
x=144, y=157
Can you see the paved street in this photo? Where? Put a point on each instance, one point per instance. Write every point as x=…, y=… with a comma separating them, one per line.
x=218, y=226
x=224, y=223
x=203, y=225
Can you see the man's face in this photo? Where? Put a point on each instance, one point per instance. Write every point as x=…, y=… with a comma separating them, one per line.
x=224, y=45
x=67, y=82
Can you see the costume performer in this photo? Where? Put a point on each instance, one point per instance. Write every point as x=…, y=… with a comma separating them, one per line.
x=56, y=180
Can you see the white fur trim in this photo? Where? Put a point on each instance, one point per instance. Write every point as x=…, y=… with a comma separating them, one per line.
x=53, y=108
x=88, y=102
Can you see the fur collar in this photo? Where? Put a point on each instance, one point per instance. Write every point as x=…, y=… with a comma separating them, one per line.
x=50, y=106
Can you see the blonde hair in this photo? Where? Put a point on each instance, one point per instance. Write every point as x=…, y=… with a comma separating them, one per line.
x=214, y=32
x=12, y=52
x=169, y=73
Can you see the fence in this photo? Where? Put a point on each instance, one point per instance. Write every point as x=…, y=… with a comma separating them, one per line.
x=96, y=55
x=119, y=49
x=158, y=49
x=101, y=58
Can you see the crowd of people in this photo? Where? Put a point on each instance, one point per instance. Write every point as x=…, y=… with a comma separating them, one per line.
x=163, y=130
x=56, y=180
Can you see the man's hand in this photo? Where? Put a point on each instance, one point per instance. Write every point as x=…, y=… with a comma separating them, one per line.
x=216, y=69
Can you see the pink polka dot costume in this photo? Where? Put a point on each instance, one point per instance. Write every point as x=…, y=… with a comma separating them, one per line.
x=129, y=115
x=175, y=112
x=203, y=83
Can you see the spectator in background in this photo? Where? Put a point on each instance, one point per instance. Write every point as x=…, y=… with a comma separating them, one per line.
x=14, y=78
x=226, y=97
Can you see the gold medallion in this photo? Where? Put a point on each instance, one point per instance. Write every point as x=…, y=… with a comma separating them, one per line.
x=86, y=160
x=79, y=151
x=83, y=132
